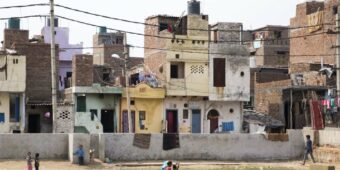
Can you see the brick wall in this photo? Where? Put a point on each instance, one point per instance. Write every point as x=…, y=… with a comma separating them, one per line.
x=269, y=98
x=14, y=36
x=155, y=59
x=38, y=70
x=313, y=45
x=82, y=70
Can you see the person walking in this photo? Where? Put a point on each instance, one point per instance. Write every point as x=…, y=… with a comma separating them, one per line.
x=80, y=153
x=29, y=161
x=309, y=150
x=36, y=161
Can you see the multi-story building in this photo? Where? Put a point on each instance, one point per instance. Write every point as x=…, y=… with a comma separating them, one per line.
x=65, y=54
x=95, y=106
x=38, y=93
x=183, y=69
x=12, y=92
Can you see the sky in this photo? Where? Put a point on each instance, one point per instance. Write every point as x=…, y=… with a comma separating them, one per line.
x=252, y=13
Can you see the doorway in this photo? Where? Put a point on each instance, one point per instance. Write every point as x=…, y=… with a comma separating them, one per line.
x=126, y=121
x=107, y=121
x=34, y=123
x=213, y=117
x=196, y=121
x=172, y=118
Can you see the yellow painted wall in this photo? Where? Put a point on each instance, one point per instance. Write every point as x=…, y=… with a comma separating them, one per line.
x=153, y=114
x=149, y=100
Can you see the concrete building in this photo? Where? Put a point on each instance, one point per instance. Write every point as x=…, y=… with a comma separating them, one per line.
x=67, y=51
x=12, y=93
x=38, y=76
x=184, y=75
x=183, y=69
x=96, y=107
x=269, y=46
x=229, y=77
x=146, y=109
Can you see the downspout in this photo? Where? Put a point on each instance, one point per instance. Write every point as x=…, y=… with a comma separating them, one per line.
x=23, y=116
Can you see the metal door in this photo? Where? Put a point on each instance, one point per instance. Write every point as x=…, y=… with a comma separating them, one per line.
x=196, y=121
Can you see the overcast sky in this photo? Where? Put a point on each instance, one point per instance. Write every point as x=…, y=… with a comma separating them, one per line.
x=252, y=13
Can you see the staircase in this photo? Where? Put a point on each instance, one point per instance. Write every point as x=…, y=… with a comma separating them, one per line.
x=84, y=124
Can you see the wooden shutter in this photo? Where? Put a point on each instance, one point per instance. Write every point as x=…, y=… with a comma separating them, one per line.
x=219, y=72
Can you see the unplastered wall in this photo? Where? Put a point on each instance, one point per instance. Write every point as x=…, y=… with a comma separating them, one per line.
x=207, y=147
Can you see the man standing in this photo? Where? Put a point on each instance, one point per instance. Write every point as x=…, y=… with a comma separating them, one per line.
x=309, y=150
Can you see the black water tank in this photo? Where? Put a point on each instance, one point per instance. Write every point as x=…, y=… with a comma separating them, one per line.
x=194, y=7
x=55, y=22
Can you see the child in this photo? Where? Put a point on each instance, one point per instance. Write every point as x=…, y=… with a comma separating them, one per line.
x=309, y=150
x=36, y=161
x=29, y=161
x=80, y=154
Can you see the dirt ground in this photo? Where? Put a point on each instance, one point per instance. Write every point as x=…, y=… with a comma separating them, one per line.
x=185, y=165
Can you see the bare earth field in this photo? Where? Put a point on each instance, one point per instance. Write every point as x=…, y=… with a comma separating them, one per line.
x=185, y=165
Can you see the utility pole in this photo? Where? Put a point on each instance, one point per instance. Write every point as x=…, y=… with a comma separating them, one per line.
x=338, y=52
x=53, y=66
x=126, y=54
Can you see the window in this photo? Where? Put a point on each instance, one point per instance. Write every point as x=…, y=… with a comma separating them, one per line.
x=163, y=26
x=281, y=52
x=177, y=70
x=185, y=114
x=94, y=113
x=177, y=56
x=14, y=107
x=277, y=34
x=219, y=72
x=81, y=103
x=215, y=36
x=2, y=118
x=132, y=102
x=142, y=119
x=227, y=126
x=231, y=110
x=197, y=69
x=242, y=74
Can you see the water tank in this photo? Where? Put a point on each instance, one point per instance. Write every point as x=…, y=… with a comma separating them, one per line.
x=194, y=7
x=102, y=29
x=14, y=23
x=55, y=22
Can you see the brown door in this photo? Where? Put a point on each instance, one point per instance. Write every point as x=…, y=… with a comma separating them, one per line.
x=213, y=125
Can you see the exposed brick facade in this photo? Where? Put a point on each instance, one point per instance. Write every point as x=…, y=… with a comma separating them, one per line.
x=38, y=70
x=82, y=70
x=273, y=50
x=269, y=98
x=105, y=45
x=155, y=59
x=315, y=44
x=14, y=36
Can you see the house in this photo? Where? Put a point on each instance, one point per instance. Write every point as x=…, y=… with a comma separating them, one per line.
x=65, y=54
x=12, y=92
x=183, y=69
x=229, y=78
x=96, y=107
x=146, y=109
x=38, y=94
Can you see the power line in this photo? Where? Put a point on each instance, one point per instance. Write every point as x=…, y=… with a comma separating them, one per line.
x=185, y=51
x=156, y=25
x=147, y=24
x=24, y=6
x=170, y=38
x=195, y=52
